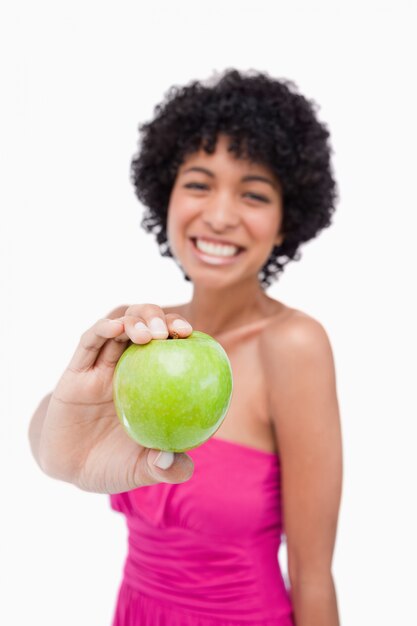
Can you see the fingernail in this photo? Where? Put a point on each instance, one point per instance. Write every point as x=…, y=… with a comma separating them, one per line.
x=141, y=327
x=164, y=460
x=181, y=325
x=158, y=327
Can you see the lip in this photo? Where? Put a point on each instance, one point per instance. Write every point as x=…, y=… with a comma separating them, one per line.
x=220, y=241
x=213, y=260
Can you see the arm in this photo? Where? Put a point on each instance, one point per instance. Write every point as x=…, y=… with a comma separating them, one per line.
x=301, y=381
x=35, y=426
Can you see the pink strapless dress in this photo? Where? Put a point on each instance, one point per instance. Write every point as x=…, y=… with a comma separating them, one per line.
x=205, y=552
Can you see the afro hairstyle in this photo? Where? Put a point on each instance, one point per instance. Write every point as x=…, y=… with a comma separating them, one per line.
x=269, y=122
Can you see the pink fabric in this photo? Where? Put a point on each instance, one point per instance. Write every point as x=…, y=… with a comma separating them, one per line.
x=205, y=552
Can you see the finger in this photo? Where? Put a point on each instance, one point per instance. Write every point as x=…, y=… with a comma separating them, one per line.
x=163, y=467
x=137, y=330
x=92, y=341
x=178, y=326
x=111, y=352
x=139, y=333
x=152, y=316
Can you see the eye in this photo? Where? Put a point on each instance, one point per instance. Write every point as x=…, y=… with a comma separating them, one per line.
x=255, y=196
x=195, y=186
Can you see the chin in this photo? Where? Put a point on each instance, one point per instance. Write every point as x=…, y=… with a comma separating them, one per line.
x=214, y=279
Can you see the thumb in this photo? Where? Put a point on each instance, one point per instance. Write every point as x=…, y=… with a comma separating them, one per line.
x=167, y=467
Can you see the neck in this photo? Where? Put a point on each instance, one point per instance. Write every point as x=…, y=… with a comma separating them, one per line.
x=216, y=311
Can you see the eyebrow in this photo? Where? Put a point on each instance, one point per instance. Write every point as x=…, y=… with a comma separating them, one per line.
x=244, y=179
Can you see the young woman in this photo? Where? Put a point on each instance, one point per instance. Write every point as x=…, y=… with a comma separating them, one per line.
x=235, y=175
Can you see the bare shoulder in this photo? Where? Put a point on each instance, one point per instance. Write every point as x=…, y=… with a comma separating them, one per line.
x=292, y=331
x=303, y=408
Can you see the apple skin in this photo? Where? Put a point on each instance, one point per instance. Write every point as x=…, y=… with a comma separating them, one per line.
x=173, y=394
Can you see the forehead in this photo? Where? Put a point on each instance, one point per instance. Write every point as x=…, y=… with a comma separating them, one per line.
x=223, y=157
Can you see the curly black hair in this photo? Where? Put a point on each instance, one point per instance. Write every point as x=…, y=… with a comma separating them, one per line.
x=270, y=123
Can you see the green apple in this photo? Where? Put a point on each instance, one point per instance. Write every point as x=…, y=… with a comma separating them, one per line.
x=173, y=394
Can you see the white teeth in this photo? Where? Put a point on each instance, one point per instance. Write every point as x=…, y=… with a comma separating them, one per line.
x=216, y=249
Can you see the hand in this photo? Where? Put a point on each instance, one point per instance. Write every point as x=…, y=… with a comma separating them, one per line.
x=82, y=440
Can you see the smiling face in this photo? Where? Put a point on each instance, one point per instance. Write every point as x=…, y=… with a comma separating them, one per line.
x=224, y=216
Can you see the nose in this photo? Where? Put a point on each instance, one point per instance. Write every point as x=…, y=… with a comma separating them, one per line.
x=221, y=214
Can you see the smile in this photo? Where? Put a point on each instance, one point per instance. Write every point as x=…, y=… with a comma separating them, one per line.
x=215, y=253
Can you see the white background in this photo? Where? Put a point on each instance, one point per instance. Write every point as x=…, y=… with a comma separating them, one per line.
x=77, y=79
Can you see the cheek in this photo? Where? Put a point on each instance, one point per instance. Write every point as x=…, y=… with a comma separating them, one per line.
x=180, y=214
x=171, y=230
x=263, y=227
x=181, y=208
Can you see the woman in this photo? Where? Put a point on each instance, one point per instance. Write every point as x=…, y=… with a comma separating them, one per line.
x=234, y=175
